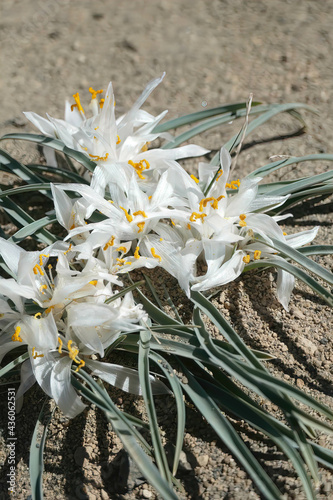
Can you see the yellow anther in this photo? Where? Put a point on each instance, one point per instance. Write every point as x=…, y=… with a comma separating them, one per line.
x=94, y=92
x=128, y=216
x=60, y=345
x=204, y=201
x=140, y=212
x=96, y=128
x=257, y=254
x=99, y=158
x=233, y=184
x=16, y=336
x=220, y=197
x=188, y=226
x=140, y=225
x=72, y=352
x=172, y=222
x=246, y=259
x=43, y=287
x=195, y=216
x=242, y=216
x=195, y=178
x=242, y=223
x=122, y=249
x=145, y=147
x=81, y=365
x=284, y=233
x=150, y=197
x=68, y=250
x=118, y=140
x=121, y=261
x=35, y=354
x=37, y=269
x=50, y=267
x=139, y=167
x=161, y=239
x=101, y=103
x=114, y=102
x=219, y=175
x=93, y=282
x=41, y=258
x=154, y=254
x=128, y=263
x=38, y=315
x=78, y=103
x=136, y=253
x=109, y=243
x=49, y=309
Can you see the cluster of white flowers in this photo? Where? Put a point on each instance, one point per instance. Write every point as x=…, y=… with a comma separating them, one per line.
x=150, y=212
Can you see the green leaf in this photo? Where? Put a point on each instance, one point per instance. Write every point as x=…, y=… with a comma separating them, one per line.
x=36, y=461
x=21, y=218
x=127, y=433
x=13, y=364
x=200, y=115
x=143, y=369
x=18, y=168
x=54, y=144
x=26, y=189
x=303, y=183
x=271, y=167
x=213, y=122
x=58, y=171
x=317, y=250
x=178, y=393
x=298, y=273
x=123, y=292
x=300, y=258
x=229, y=436
x=32, y=228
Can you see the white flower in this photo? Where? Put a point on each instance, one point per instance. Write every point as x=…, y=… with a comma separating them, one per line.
x=118, y=146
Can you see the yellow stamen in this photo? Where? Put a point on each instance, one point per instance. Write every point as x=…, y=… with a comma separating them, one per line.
x=93, y=282
x=145, y=147
x=128, y=263
x=122, y=249
x=172, y=222
x=37, y=269
x=246, y=259
x=94, y=93
x=78, y=103
x=43, y=287
x=35, y=354
x=154, y=254
x=195, y=178
x=284, y=233
x=150, y=197
x=136, y=253
x=69, y=249
x=109, y=243
x=41, y=258
x=60, y=345
x=101, y=103
x=128, y=216
x=118, y=140
x=161, y=239
x=140, y=225
x=139, y=167
x=188, y=226
x=81, y=365
x=242, y=223
x=38, y=315
x=140, y=212
x=49, y=309
x=219, y=175
x=204, y=201
x=96, y=128
x=220, y=197
x=257, y=254
x=121, y=261
x=242, y=216
x=196, y=216
x=16, y=336
x=99, y=158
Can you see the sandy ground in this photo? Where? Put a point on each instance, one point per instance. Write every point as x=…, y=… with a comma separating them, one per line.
x=213, y=52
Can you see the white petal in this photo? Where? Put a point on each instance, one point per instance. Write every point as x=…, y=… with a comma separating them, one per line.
x=62, y=390
x=125, y=378
x=44, y=125
x=285, y=284
x=303, y=238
